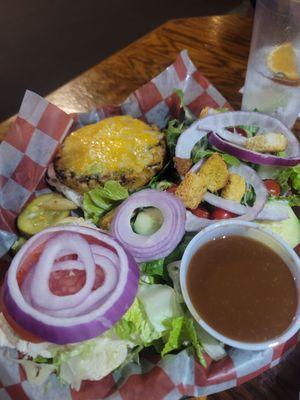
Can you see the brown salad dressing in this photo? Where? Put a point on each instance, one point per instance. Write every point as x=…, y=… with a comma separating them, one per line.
x=242, y=289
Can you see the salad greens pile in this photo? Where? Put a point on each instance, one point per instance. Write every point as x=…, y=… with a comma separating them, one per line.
x=158, y=318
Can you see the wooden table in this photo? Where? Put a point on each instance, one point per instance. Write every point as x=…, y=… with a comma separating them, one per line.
x=219, y=47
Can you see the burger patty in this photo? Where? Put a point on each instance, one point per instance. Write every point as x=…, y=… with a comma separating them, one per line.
x=119, y=148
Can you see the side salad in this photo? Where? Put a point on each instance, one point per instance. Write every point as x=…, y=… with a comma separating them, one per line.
x=219, y=165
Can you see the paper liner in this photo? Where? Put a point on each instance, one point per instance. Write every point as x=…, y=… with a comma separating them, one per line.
x=24, y=155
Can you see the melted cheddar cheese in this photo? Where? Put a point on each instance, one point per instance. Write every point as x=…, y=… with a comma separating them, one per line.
x=110, y=145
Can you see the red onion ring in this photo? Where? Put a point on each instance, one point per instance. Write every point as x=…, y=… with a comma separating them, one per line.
x=188, y=139
x=40, y=292
x=249, y=155
x=108, y=285
x=232, y=137
x=97, y=313
x=194, y=223
x=103, y=251
x=65, y=265
x=161, y=243
x=217, y=123
x=273, y=212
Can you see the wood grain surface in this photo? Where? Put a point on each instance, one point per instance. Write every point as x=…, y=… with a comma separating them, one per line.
x=219, y=47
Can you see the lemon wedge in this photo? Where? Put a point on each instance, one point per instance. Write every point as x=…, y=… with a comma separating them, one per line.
x=282, y=60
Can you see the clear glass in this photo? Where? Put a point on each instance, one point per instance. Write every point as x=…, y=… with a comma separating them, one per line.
x=267, y=89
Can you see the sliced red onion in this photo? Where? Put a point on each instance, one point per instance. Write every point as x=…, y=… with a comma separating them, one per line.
x=40, y=292
x=251, y=156
x=216, y=123
x=100, y=309
x=195, y=168
x=161, y=243
x=273, y=212
x=103, y=251
x=232, y=137
x=110, y=281
x=67, y=264
x=229, y=142
x=188, y=139
x=194, y=223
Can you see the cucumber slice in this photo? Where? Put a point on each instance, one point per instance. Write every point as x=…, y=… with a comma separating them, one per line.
x=44, y=211
x=148, y=221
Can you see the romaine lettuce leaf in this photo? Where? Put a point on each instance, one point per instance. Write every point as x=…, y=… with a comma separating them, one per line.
x=160, y=304
x=289, y=178
x=153, y=268
x=181, y=332
x=100, y=200
x=92, y=359
x=136, y=327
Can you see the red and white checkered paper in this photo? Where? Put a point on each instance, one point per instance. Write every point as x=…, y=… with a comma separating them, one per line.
x=24, y=156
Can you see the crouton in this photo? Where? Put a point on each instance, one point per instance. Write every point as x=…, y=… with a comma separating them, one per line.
x=267, y=143
x=191, y=190
x=182, y=165
x=215, y=172
x=235, y=188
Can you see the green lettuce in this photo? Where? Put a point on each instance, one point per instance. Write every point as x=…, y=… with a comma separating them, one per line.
x=152, y=268
x=251, y=130
x=136, y=327
x=100, y=200
x=181, y=332
x=293, y=199
x=160, y=303
x=289, y=178
x=173, y=131
x=79, y=362
x=203, y=149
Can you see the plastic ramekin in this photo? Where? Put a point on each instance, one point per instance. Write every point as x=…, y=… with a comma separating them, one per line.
x=254, y=231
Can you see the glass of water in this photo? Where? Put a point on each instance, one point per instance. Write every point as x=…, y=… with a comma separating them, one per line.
x=273, y=76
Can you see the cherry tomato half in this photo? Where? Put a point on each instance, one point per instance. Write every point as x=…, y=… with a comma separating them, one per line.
x=172, y=189
x=201, y=212
x=272, y=187
x=238, y=130
x=219, y=213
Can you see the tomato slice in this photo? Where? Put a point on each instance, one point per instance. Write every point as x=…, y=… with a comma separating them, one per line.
x=240, y=131
x=68, y=282
x=19, y=330
x=201, y=212
x=172, y=189
x=219, y=213
x=272, y=187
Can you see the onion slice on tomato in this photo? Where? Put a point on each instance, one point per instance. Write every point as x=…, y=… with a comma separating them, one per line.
x=40, y=291
x=162, y=242
x=65, y=321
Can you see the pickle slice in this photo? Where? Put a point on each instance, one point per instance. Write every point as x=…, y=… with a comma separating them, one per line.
x=44, y=211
